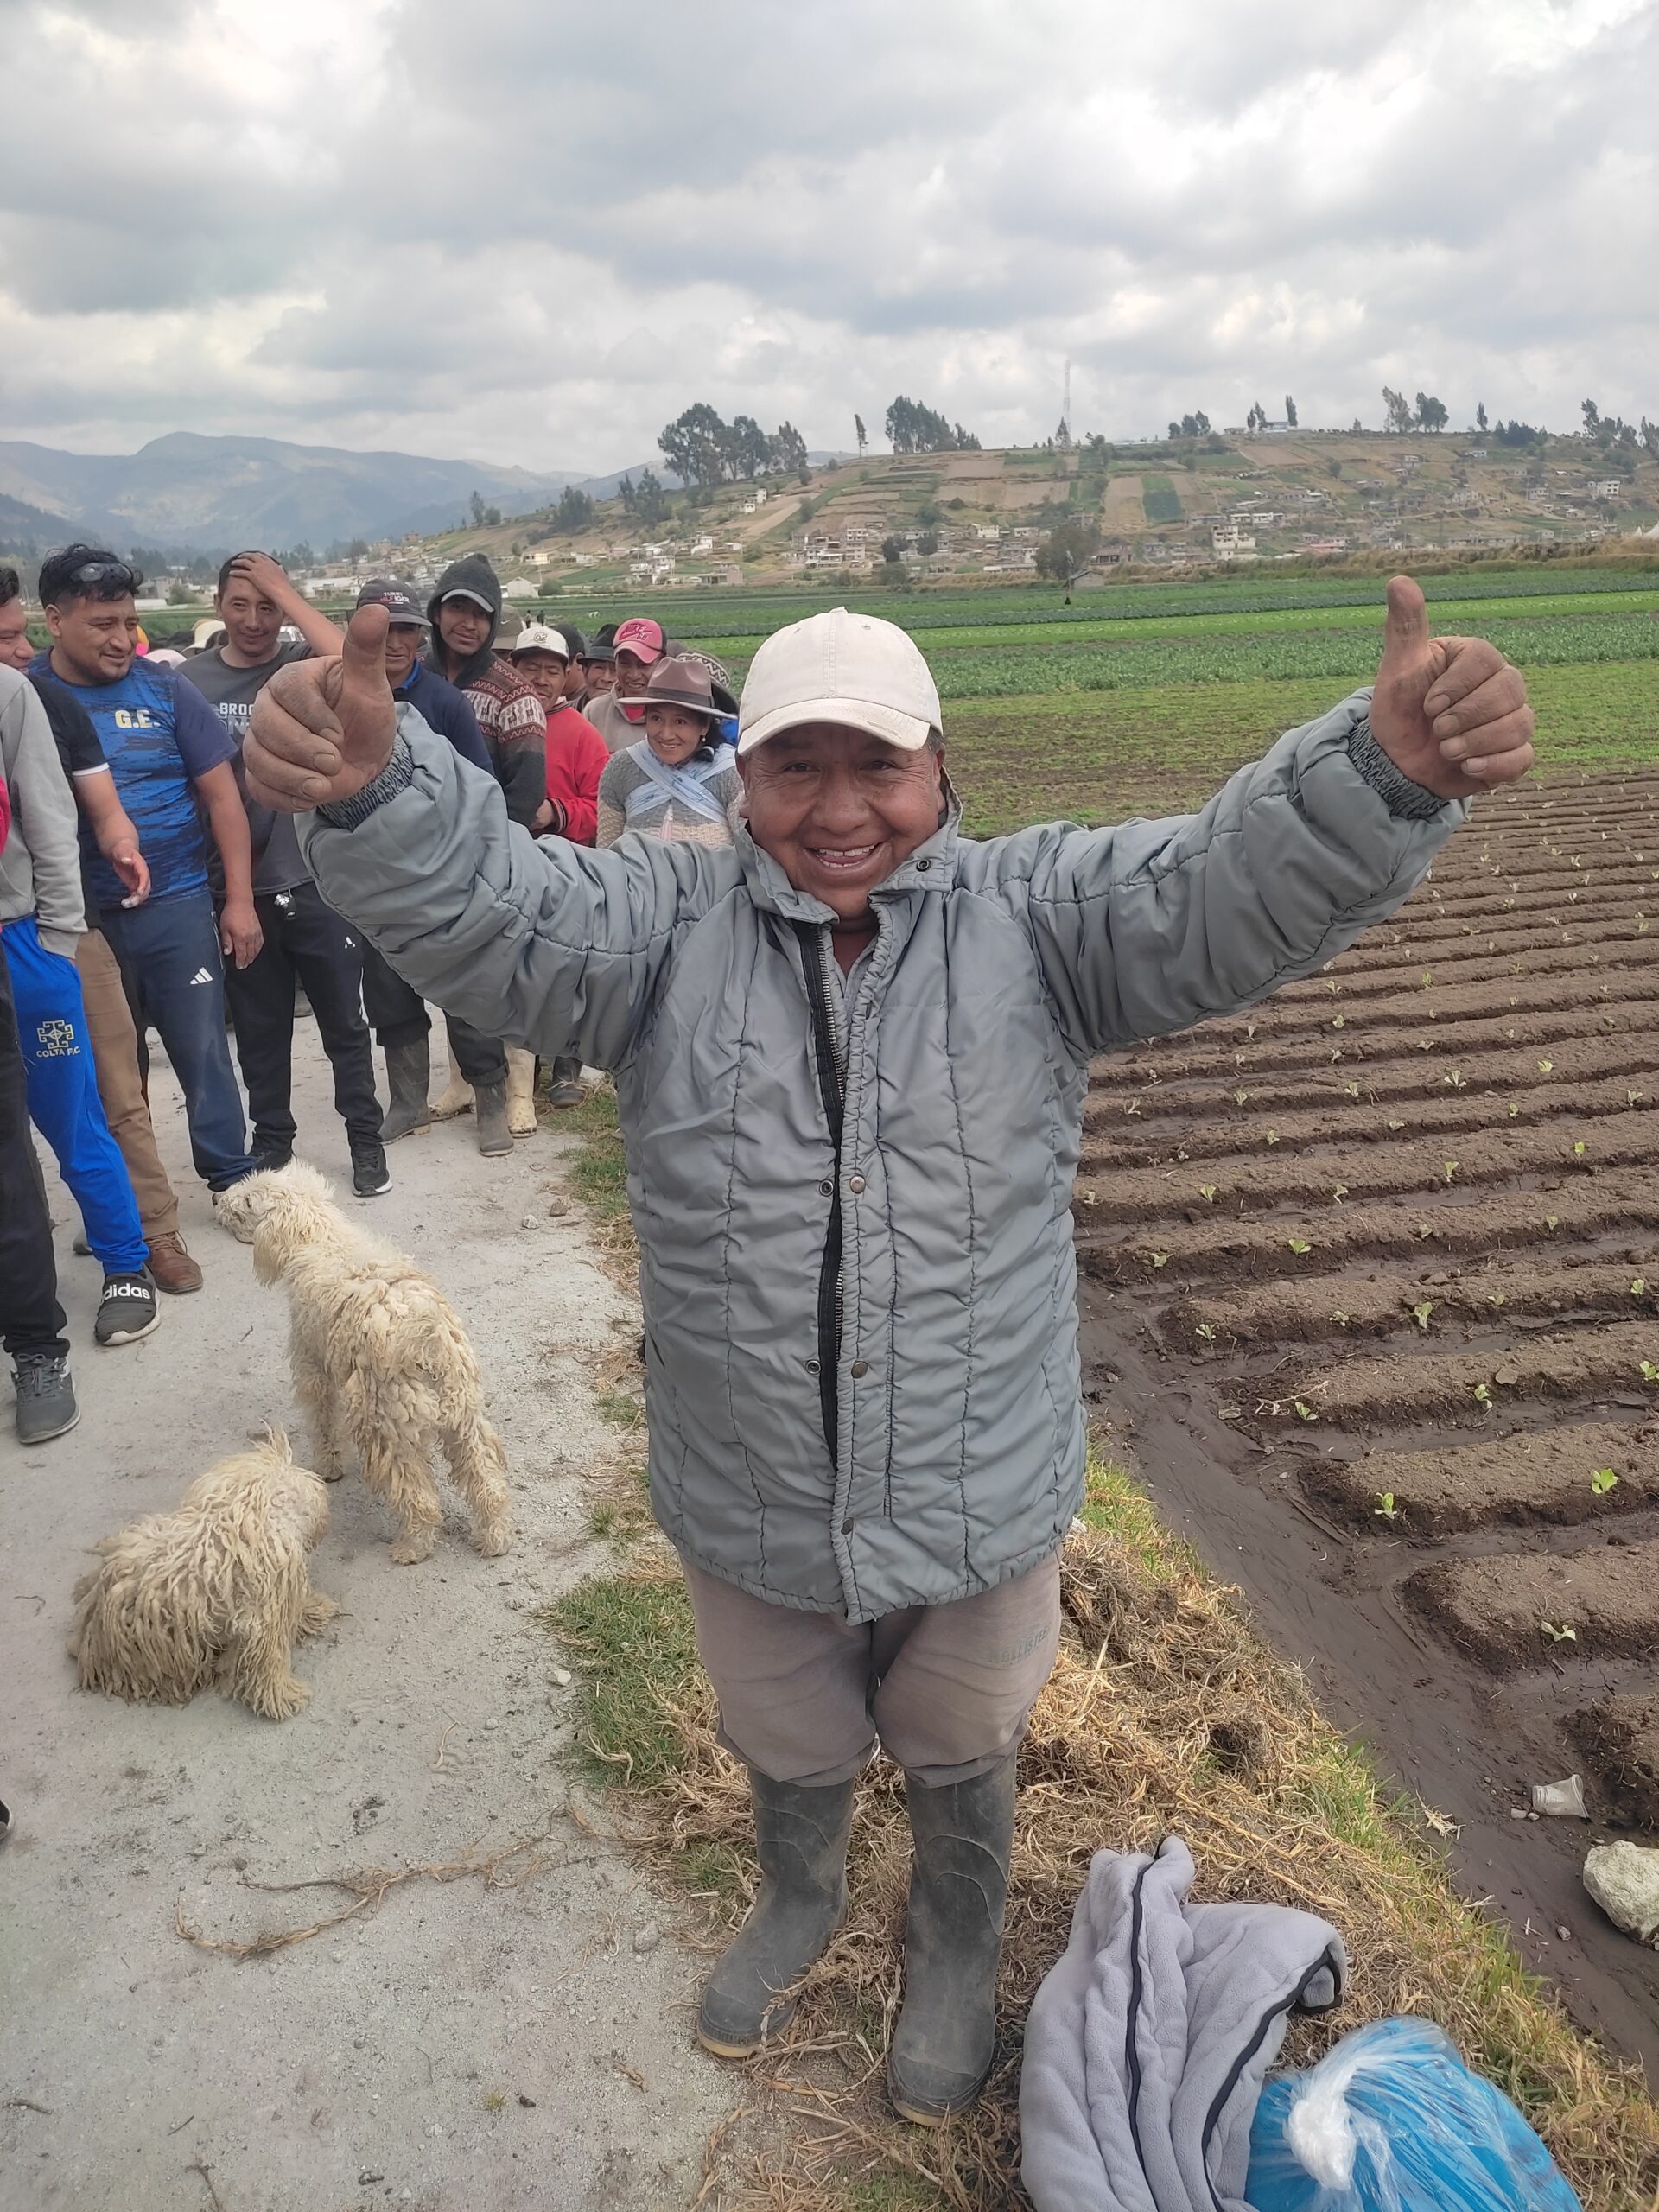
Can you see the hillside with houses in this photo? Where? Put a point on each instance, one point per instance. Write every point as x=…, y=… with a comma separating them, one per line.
x=1176, y=505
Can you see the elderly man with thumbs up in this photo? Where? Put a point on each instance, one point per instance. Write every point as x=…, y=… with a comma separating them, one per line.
x=851, y=1054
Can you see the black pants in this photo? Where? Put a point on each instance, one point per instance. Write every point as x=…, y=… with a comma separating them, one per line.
x=31, y=1319
x=306, y=940
x=398, y=1014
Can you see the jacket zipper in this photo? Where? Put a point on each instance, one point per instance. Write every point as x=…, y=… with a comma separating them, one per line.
x=825, y=1052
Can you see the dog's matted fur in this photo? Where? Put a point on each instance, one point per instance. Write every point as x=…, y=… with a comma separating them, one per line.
x=379, y=1359
x=216, y=1593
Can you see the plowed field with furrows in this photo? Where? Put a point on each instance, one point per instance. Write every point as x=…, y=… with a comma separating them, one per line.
x=1379, y=1259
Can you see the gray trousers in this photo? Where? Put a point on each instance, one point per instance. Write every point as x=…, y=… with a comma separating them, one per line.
x=947, y=1689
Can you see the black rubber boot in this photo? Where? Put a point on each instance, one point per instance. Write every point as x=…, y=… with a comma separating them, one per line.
x=801, y=1838
x=945, y=2041
x=490, y=1106
x=409, y=1072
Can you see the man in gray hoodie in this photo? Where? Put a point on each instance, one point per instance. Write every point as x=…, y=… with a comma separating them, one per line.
x=851, y=1054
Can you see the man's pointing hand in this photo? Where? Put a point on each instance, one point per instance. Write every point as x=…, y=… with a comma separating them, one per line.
x=323, y=728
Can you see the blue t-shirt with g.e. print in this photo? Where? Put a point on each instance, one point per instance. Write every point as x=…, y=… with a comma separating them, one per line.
x=157, y=735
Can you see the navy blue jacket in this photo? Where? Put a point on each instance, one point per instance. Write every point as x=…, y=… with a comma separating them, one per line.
x=444, y=709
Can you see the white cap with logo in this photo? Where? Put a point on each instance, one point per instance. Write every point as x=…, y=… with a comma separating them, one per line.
x=839, y=667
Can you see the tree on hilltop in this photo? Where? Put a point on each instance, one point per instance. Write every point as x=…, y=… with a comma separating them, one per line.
x=1290, y=410
x=788, y=450
x=863, y=439
x=1399, y=412
x=1431, y=413
x=1191, y=426
x=575, y=510
x=914, y=428
x=1480, y=416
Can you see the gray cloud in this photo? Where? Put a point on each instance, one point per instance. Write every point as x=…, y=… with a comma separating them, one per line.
x=504, y=235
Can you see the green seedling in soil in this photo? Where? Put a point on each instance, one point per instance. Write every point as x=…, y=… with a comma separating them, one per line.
x=1337, y=1020
x=1242, y=1098
x=1299, y=1246
x=1634, y=1097
x=1341, y=1319
x=1304, y=1411
x=1483, y=1395
x=1494, y=1298
x=1580, y=1149
x=1552, y=1222
x=1250, y=1029
x=1425, y=1228
x=1562, y=1635
x=1649, y=1372
x=1273, y=1137
x=1385, y=1507
x=1546, y=1067
x=1639, y=1287
x=1451, y=1167
x=1420, y=1313
x=1603, y=1480
x=1206, y=1330
x=1133, y=1108
x=1396, y=1125
x=1159, y=1259
x=1340, y=1192
x=1352, y=1089
x=1207, y=1191
x=1514, y=1109
x=1455, y=1079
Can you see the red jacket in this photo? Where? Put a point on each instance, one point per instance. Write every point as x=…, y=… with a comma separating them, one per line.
x=577, y=757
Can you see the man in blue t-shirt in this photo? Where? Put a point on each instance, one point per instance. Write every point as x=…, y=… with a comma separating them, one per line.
x=170, y=756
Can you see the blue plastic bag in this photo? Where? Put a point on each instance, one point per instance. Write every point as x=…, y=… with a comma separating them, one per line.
x=1392, y=2120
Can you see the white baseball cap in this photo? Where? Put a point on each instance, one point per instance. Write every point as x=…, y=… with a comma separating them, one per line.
x=542, y=638
x=838, y=667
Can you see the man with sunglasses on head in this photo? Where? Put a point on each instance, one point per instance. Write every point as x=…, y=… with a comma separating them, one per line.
x=170, y=756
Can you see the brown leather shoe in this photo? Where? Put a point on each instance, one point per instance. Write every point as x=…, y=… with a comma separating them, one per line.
x=172, y=1266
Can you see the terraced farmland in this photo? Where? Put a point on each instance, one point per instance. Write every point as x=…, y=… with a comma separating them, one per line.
x=1373, y=1274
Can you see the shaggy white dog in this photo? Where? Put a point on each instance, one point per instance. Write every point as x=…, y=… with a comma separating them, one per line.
x=379, y=1358
x=216, y=1593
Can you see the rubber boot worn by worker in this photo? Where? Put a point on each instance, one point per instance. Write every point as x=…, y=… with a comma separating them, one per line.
x=409, y=1069
x=490, y=1105
x=521, y=1091
x=800, y=1837
x=456, y=1096
x=945, y=2041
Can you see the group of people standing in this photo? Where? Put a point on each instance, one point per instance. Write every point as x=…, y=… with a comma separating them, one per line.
x=144, y=888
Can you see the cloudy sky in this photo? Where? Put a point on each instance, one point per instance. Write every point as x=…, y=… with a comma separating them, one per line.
x=534, y=232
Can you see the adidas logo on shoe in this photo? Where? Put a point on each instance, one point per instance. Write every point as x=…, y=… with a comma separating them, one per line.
x=201, y=975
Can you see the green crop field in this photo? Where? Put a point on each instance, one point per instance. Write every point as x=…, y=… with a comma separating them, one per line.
x=1160, y=499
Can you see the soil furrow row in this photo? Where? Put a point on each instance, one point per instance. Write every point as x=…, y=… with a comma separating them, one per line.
x=1467, y=1388
x=1600, y=1604
x=1405, y=977
x=1559, y=1481
x=1331, y=1016
x=1228, y=1246
x=1168, y=1140
x=1253, y=1315
x=1618, y=1740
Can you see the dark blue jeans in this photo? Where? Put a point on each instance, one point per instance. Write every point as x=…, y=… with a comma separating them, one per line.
x=168, y=951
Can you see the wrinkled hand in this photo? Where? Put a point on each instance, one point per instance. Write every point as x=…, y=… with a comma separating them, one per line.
x=323, y=728
x=129, y=864
x=1450, y=713
x=239, y=934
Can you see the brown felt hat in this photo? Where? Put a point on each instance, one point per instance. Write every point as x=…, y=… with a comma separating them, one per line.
x=679, y=683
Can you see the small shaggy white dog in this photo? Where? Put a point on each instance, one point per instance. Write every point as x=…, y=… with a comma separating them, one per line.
x=379, y=1358
x=216, y=1593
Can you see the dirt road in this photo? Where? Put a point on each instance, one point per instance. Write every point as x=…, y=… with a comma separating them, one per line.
x=464, y=2046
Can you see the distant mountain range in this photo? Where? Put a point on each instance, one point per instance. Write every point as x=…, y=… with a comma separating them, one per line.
x=200, y=494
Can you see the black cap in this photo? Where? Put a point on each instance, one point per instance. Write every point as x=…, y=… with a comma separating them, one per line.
x=601, y=645
x=399, y=601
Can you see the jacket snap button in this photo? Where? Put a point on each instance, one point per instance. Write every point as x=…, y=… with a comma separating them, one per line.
x=811, y=1366
x=826, y=1189
x=847, y=1526
x=859, y=1367
x=856, y=1184
x=924, y=864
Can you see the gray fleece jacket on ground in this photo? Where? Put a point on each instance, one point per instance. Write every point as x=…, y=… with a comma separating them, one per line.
x=1149, y=2039
x=39, y=867
x=856, y=1253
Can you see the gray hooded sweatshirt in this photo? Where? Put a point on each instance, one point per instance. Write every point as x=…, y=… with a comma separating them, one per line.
x=856, y=1253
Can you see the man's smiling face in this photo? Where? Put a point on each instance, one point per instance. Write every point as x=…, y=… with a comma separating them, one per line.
x=839, y=810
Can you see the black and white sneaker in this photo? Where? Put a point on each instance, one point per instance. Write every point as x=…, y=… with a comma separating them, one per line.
x=126, y=1311
x=45, y=1396
x=370, y=1174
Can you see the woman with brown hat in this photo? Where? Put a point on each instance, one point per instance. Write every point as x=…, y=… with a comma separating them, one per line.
x=679, y=782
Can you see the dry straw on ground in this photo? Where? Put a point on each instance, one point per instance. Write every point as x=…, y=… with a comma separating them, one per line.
x=1164, y=1712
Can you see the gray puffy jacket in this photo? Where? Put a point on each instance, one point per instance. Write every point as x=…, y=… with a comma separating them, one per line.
x=910, y=1291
